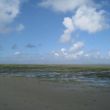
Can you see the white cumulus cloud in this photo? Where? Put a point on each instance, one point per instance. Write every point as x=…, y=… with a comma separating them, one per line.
x=9, y=10
x=90, y=19
x=86, y=18
x=76, y=52
x=66, y=36
x=73, y=52
x=86, y=15
x=76, y=46
x=64, y=5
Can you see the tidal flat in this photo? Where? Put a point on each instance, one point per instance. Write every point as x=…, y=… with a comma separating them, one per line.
x=54, y=87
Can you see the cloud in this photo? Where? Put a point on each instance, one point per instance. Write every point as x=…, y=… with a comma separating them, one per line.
x=93, y=55
x=73, y=52
x=77, y=54
x=17, y=53
x=90, y=19
x=76, y=46
x=66, y=36
x=86, y=15
x=63, y=5
x=30, y=46
x=56, y=54
x=14, y=46
x=5, y=30
x=86, y=18
x=20, y=27
x=9, y=10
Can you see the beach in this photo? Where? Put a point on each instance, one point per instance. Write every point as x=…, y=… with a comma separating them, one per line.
x=21, y=93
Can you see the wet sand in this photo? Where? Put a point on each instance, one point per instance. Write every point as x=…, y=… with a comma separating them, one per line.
x=18, y=93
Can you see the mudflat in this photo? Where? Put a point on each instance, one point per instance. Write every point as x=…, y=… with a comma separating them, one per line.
x=20, y=93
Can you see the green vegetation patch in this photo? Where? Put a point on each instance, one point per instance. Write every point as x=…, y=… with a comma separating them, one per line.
x=53, y=68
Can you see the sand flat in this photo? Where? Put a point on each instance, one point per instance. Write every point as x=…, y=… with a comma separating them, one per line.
x=19, y=93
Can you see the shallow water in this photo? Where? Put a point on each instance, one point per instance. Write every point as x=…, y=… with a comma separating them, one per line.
x=85, y=77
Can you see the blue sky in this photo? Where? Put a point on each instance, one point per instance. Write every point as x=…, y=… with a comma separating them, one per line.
x=55, y=31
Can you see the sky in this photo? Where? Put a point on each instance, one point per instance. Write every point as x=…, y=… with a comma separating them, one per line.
x=54, y=31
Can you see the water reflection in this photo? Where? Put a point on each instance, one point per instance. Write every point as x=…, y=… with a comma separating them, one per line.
x=99, y=78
